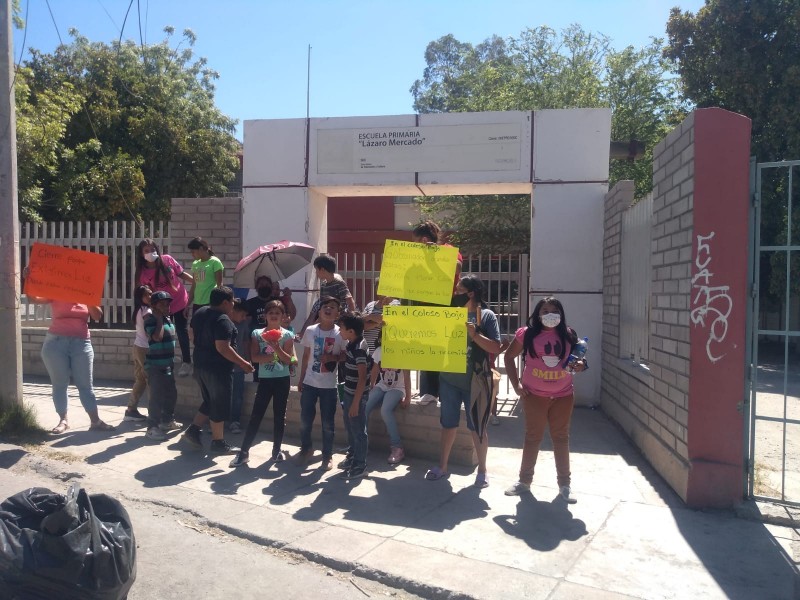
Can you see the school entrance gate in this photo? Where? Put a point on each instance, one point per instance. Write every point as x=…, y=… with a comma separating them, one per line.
x=774, y=416
x=558, y=157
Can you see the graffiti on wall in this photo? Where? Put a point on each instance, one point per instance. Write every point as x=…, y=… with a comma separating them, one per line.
x=711, y=304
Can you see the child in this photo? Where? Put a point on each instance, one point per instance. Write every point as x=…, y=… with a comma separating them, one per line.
x=272, y=347
x=207, y=272
x=331, y=284
x=241, y=319
x=141, y=308
x=355, y=396
x=545, y=390
x=322, y=350
x=390, y=387
x=158, y=363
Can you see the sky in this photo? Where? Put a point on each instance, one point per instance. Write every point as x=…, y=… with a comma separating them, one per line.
x=365, y=54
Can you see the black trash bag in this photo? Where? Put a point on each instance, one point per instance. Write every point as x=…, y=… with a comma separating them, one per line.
x=54, y=546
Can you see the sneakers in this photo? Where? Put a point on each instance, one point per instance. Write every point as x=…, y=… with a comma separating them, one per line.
x=564, y=493
x=242, y=458
x=354, y=473
x=482, y=480
x=192, y=438
x=235, y=427
x=327, y=463
x=155, y=434
x=302, y=458
x=172, y=425
x=222, y=447
x=495, y=420
x=185, y=370
x=518, y=489
x=396, y=455
x=345, y=464
x=427, y=399
x=133, y=414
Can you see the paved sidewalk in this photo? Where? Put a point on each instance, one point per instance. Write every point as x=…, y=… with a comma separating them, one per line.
x=627, y=537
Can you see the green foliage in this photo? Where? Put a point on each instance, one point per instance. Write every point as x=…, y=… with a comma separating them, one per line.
x=744, y=56
x=117, y=130
x=544, y=69
x=19, y=421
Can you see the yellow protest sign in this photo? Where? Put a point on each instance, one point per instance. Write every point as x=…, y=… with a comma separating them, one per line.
x=428, y=338
x=421, y=272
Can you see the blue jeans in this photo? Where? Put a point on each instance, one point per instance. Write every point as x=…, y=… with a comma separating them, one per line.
x=66, y=356
x=388, y=401
x=451, y=398
x=308, y=412
x=237, y=396
x=356, y=430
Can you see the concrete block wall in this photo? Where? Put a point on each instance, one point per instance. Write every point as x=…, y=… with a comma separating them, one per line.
x=419, y=425
x=651, y=404
x=216, y=220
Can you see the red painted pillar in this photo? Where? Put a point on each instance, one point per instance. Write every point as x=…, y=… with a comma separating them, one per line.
x=718, y=305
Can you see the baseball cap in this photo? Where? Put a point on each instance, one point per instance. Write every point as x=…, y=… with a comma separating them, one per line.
x=159, y=296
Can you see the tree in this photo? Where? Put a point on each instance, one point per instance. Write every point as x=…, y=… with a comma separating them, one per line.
x=744, y=56
x=544, y=69
x=117, y=130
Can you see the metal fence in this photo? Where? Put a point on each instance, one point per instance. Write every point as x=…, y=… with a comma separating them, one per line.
x=637, y=222
x=115, y=239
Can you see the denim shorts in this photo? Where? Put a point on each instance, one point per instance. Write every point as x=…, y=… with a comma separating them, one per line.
x=451, y=399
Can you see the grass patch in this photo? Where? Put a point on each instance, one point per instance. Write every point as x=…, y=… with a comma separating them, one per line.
x=18, y=424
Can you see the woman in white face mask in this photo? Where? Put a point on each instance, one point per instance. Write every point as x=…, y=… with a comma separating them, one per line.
x=162, y=273
x=545, y=389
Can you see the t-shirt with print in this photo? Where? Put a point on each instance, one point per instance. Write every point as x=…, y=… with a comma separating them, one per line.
x=205, y=279
x=490, y=329
x=172, y=284
x=210, y=325
x=388, y=379
x=322, y=342
x=159, y=353
x=544, y=374
x=356, y=354
x=274, y=368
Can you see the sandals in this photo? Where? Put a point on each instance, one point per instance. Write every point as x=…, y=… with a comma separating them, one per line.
x=100, y=426
x=435, y=473
x=60, y=428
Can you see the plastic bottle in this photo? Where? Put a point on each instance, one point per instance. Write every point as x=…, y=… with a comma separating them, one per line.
x=578, y=352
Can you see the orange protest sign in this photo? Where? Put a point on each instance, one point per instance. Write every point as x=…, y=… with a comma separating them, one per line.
x=58, y=273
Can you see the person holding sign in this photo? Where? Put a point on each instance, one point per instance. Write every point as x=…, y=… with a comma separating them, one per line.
x=427, y=232
x=545, y=390
x=67, y=352
x=472, y=387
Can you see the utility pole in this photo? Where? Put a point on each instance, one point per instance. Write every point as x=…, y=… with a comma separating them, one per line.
x=10, y=343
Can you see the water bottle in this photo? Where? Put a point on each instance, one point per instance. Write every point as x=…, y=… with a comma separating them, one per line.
x=578, y=352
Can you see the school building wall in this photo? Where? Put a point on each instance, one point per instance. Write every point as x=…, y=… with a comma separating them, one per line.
x=684, y=410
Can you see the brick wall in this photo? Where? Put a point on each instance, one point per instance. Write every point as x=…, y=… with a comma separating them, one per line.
x=216, y=220
x=651, y=403
x=683, y=408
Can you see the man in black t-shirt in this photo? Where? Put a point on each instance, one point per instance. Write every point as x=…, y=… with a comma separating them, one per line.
x=214, y=357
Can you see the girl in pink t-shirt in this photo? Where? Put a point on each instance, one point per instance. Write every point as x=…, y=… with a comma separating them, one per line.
x=162, y=273
x=545, y=389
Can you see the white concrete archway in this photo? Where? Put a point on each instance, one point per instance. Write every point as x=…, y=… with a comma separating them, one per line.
x=560, y=157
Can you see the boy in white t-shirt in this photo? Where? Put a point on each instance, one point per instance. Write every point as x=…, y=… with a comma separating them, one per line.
x=323, y=348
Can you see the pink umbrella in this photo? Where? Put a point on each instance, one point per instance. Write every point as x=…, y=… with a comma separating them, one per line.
x=277, y=261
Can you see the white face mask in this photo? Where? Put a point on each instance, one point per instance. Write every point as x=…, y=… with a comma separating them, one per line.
x=151, y=256
x=550, y=319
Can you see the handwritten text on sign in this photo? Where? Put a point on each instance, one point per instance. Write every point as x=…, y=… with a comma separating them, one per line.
x=421, y=272
x=66, y=274
x=428, y=338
